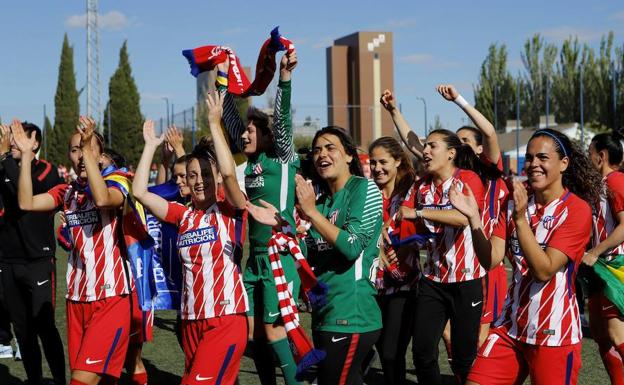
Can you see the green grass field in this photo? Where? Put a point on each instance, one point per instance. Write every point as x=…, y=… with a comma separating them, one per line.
x=165, y=362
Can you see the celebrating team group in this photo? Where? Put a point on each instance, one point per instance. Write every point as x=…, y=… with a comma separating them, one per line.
x=415, y=254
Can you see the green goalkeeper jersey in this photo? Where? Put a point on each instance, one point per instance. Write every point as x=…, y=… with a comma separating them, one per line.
x=271, y=175
x=348, y=267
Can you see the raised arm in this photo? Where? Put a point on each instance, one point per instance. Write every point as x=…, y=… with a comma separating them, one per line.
x=225, y=161
x=103, y=196
x=26, y=200
x=491, y=148
x=282, y=122
x=409, y=137
x=173, y=148
x=157, y=205
x=231, y=119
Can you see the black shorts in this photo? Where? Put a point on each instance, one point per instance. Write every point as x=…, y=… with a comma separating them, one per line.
x=345, y=354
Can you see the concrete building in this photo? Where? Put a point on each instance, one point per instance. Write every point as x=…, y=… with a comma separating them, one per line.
x=359, y=67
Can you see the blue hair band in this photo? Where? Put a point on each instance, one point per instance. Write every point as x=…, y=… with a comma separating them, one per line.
x=554, y=137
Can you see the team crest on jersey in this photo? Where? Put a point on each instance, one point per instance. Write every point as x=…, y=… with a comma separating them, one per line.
x=333, y=216
x=548, y=222
x=195, y=237
x=83, y=218
x=257, y=169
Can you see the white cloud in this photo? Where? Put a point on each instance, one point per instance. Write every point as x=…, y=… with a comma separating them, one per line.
x=112, y=21
x=323, y=42
x=417, y=58
x=559, y=34
x=233, y=31
x=427, y=60
x=618, y=16
x=400, y=23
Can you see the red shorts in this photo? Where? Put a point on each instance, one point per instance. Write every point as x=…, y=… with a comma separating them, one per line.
x=502, y=360
x=494, y=294
x=213, y=349
x=141, y=329
x=97, y=334
x=601, y=308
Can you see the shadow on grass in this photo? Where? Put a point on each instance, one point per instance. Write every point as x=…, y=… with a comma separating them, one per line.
x=165, y=324
x=156, y=375
x=375, y=377
x=7, y=378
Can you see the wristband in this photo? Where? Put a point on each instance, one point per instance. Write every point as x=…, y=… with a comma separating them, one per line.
x=460, y=101
x=222, y=74
x=419, y=214
x=222, y=81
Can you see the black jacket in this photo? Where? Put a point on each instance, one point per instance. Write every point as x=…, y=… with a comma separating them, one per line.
x=24, y=235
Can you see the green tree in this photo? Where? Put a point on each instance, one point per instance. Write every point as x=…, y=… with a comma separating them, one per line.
x=66, y=107
x=573, y=59
x=47, y=130
x=495, y=80
x=600, y=78
x=126, y=119
x=538, y=59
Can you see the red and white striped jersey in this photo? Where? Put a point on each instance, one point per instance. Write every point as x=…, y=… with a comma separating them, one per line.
x=96, y=267
x=408, y=264
x=611, y=203
x=450, y=254
x=546, y=313
x=210, y=245
x=496, y=192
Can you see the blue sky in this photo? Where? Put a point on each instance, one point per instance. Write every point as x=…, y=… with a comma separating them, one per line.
x=434, y=42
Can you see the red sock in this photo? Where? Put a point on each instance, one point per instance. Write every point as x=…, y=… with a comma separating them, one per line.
x=612, y=362
x=76, y=382
x=139, y=379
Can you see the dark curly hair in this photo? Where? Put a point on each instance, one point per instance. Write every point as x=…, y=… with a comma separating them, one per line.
x=406, y=175
x=350, y=148
x=581, y=177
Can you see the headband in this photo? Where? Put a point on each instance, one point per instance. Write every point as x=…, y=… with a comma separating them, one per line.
x=554, y=137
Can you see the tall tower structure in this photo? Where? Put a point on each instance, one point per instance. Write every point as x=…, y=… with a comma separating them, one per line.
x=94, y=106
x=359, y=67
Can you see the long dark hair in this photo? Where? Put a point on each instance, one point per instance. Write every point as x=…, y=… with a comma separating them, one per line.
x=405, y=172
x=611, y=143
x=465, y=157
x=580, y=177
x=355, y=168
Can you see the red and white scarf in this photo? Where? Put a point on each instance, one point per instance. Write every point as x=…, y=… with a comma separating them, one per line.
x=207, y=57
x=303, y=350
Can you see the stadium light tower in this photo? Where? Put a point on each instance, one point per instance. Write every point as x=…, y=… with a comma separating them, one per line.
x=94, y=107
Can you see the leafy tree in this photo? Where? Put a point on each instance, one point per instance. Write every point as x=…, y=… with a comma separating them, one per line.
x=126, y=119
x=47, y=130
x=496, y=85
x=538, y=59
x=66, y=106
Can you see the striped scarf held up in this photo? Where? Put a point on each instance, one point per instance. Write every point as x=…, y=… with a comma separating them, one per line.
x=303, y=350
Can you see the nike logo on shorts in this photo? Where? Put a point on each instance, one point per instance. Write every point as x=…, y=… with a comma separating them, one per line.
x=42, y=282
x=200, y=378
x=89, y=361
x=607, y=307
x=475, y=303
x=273, y=314
x=334, y=339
